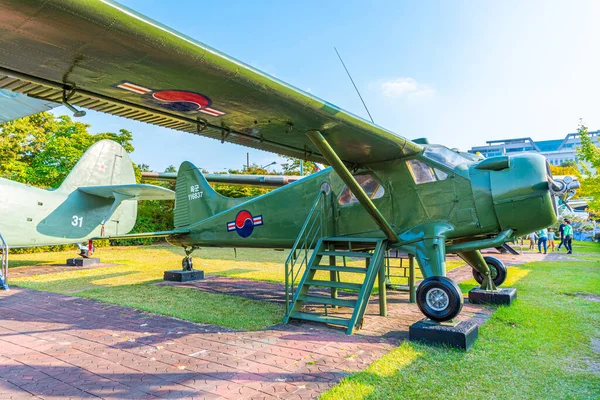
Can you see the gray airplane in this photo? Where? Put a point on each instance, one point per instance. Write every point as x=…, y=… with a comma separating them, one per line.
x=98, y=198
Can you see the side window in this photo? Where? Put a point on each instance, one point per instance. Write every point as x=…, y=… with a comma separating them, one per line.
x=368, y=183
x=421, y=172
x=441, y=175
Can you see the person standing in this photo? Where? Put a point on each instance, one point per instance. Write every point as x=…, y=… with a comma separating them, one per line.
x=568, y=236
x=531, y=238
x=543, y=240
x=551, y=236
x=561, y=235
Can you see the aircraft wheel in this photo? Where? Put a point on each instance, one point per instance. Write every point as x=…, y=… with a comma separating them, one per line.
x=497, y=270
x=439, y=298
x=187, y=264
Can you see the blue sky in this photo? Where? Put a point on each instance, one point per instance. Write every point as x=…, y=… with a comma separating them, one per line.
x=456, y=72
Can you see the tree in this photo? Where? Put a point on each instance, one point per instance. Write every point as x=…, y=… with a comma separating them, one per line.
x=590, y=154
x=243, y=191
x=292, y=166
x=569, y=163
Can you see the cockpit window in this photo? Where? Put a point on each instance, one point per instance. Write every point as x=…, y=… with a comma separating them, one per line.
x=421, y=172
x=368, y=183
x=445, y=156
x=441, y=175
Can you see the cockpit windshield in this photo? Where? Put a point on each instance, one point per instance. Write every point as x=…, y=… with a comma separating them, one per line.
x=445, y=156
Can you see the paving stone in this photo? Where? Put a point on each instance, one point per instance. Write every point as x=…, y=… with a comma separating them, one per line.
x=51, y=344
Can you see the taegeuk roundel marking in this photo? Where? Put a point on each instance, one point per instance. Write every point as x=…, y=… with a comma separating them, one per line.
x=244, y=223
x=173, y=100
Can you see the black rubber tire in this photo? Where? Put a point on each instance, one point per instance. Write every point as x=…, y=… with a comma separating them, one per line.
x=450, y=288
x=497, y=269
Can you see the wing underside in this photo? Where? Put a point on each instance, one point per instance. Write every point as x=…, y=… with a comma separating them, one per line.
x=103, y=56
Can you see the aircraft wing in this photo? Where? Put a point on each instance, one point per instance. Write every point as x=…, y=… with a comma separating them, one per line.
x=103, y=56
x=145, y=235
x=131, y=192
x=231, y=179
x=15, y=105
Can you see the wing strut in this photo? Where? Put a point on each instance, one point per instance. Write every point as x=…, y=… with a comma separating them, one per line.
x=338, y=166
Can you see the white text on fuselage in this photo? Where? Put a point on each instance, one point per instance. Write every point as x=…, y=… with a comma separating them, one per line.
x=196, y=192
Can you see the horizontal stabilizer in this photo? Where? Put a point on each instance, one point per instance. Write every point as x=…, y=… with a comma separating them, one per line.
x=144, y=235
x=130, y=192
x=15, y=105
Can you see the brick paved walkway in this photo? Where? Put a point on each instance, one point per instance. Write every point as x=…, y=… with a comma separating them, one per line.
x=55, y=346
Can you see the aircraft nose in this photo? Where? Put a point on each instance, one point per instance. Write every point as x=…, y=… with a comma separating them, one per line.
x=522, y=194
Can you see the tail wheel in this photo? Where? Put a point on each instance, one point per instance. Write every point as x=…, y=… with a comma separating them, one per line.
x=439, y=298
x=497, y=270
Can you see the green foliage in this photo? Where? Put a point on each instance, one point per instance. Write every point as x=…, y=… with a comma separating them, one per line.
x=153, y=215
x=292, y=166
x=243, y=191
x=41, y=149
x=590, y=184
x=569, y=163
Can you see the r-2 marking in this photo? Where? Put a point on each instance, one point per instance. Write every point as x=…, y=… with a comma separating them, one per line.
x=196, y=193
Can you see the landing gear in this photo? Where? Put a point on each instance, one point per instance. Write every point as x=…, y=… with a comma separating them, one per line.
x=187, y=263
x=497, y=271
x=439, y=298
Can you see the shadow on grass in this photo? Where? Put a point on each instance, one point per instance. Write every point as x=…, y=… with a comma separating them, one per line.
x=27, y=263
x=243, y=254
x=67, y=285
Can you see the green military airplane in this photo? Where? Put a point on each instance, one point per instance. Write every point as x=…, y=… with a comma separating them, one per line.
x=98, y=197
x=381, y=192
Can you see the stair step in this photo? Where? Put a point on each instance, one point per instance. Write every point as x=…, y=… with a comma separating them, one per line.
x=337, y=285
x=320, y=318
x=357, y=254
x=351, y=239
x=339, y=268
x=328, y=300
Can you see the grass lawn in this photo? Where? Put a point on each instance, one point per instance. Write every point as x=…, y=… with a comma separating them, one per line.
x=130, y=282
x=545, y=346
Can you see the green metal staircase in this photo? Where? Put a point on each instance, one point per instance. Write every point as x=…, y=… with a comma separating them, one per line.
x=369, y=252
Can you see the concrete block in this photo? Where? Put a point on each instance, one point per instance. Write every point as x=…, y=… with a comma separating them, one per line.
x=178, y=275
x=504, y=296
x=461, y=335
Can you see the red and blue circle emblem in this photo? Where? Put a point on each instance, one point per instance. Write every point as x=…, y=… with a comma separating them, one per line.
x=244, y=223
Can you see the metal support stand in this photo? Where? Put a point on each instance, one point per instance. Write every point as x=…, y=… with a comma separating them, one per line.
x=382, y=291
x=412, y=290
x=4, y=264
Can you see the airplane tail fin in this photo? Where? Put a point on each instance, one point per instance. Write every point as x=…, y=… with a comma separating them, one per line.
x=195, y=199
x=104, y=163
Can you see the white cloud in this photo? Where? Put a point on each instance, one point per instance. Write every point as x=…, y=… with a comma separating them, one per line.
x=404, y=87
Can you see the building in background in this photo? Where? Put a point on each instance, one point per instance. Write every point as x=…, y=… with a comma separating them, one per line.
x=556, y=151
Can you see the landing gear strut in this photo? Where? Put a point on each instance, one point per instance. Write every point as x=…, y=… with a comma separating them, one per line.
x=186, y=263
x=497, y=271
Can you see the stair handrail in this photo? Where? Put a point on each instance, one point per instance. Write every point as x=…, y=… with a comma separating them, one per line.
x=312, y=230
x=4, y=262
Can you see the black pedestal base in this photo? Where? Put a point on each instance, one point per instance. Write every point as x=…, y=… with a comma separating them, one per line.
x=462, y=335
x=504, y=296
x=82, y=262
x=178, y=275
